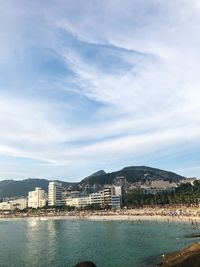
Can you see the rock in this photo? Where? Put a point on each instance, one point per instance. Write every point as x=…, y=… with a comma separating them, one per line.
x=188, y=257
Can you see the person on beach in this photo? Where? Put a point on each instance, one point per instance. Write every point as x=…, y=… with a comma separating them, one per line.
x=85, y=264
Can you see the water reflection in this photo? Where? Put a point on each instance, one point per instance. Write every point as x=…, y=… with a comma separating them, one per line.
x=32, y=222
x=35, y=235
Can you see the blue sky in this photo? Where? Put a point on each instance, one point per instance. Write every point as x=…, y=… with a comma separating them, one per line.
x=89, y=85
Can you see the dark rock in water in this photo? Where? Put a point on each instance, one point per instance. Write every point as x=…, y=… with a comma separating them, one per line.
x=188, y=257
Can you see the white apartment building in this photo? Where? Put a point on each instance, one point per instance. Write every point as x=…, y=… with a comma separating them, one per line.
x=79, y=202
x=6, y=206
x=72, y=202
x=55, y=194
x=19, y=203
x=117, y=190
x=97, y=198
x=37, y=198
x=110, y=196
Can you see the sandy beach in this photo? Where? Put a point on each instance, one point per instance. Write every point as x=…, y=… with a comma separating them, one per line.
x=189, y=215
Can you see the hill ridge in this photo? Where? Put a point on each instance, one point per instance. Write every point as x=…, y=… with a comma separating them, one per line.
x=133, y=174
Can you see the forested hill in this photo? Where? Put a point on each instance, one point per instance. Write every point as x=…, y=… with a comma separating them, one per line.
x=9, y=188
x=132, y=174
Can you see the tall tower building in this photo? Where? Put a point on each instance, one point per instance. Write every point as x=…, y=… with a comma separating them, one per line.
x=55, y=194
x=121, y=181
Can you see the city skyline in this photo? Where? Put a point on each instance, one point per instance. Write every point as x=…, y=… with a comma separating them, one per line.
x=98, y=85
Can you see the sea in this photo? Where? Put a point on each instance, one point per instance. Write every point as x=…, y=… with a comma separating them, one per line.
x=60, y=243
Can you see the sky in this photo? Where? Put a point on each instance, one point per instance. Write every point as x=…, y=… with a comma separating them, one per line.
x=97, y=84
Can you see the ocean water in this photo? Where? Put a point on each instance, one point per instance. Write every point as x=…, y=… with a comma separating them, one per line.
x=31, y=243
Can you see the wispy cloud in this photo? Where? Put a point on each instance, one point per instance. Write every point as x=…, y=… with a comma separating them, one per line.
x=97, y=83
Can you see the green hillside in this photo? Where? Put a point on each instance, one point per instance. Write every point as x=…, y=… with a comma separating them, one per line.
x=9, y=188
x=132, y=174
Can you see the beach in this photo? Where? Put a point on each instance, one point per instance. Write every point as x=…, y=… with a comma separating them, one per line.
x=184, y=214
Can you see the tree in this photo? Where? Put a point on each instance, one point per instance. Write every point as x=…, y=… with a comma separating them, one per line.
x=134, y=198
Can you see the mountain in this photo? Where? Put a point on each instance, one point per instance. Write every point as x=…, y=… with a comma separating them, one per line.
x=9, y=188
x=132, y=174
x=99, y=173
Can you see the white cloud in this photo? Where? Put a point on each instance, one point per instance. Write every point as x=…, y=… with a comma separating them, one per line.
x=148, y=108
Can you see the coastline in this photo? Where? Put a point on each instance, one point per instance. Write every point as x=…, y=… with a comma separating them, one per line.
x=186, y=215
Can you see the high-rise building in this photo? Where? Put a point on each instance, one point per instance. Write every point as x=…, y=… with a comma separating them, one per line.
x=117, y=190
x=37, y=198
x=121, y=181
x=112, y=196
x=107, y=193
x=55, y=194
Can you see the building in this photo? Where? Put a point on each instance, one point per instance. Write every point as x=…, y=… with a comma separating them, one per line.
x=37, y=198
x=73, y=202
x=66, y=194
x=116, y=202
x=160, y=184
x=121, y=181
x=117, y=190
x=79, y=202
x=112, y=196
x=75, y=194
x=19, y=203
x=108, y=191
x=158, y=187
x=6, y=206
x=97, y=198
x=55, y=194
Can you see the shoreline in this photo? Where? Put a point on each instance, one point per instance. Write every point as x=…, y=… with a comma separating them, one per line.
x=191, y=216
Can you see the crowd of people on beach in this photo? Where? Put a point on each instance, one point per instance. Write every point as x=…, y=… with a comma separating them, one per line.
x=150, y=212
